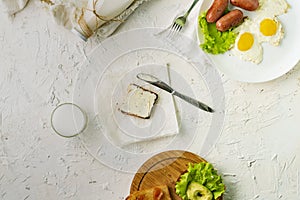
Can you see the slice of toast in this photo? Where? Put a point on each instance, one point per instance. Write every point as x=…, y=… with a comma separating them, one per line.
x=155, y=193
x=139, y=102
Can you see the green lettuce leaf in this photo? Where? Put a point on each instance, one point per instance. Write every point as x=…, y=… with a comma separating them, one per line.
x=214, y=41
x=203, y=173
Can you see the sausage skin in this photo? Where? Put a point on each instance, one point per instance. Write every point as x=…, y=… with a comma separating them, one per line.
x=231, y=19
x=216, y=10
x=249, y=5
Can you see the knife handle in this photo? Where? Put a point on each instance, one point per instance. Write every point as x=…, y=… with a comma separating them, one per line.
x=194, y=102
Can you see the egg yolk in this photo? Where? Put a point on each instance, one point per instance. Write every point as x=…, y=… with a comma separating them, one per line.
x=245, y=42
x=268, y=27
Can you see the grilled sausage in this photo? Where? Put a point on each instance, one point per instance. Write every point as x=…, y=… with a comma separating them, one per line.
x=216, y=10
x=250, y=5
x=231, y=19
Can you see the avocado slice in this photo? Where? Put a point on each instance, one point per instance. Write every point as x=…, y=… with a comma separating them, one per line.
x=196, y=191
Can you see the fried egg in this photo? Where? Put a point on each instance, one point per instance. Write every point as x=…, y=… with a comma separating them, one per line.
x=268, y=29
x=263, y=26
x=247, y=46
x=273, y=7
x=266, y=24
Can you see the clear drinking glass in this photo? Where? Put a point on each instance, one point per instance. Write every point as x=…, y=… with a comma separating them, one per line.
x=68, y=120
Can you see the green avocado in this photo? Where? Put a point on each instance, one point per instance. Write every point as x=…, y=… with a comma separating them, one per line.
x=196, y=191
x=201, y=173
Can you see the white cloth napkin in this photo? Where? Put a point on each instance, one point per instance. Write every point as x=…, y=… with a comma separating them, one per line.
x=66, y=12
x=123, y=129
x=108, y=28
x=13, y=6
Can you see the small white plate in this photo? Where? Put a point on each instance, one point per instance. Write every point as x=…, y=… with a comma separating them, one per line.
x=276, y=60
x=111, y=67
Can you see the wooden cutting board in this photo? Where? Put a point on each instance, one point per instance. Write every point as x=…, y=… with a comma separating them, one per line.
x=163, y=169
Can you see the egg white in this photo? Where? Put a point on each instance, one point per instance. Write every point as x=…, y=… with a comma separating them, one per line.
x=273, y=39
x=254, y=54
x=267, y=9
x=273, y=7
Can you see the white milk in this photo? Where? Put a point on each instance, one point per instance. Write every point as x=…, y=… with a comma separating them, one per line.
x=68, y=120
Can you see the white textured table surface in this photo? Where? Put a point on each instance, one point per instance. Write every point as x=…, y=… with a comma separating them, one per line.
x=257, y=153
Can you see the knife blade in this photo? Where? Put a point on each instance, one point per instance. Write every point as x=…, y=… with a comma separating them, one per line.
x=162, y=85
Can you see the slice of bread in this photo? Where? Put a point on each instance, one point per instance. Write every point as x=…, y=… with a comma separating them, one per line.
x=155, y=193
x=139, y=102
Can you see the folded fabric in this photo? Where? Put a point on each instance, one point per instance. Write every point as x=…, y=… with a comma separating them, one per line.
x=123, y=129
x=13, y=6
x=83, y=16
x=101, y=17
x=109, y=27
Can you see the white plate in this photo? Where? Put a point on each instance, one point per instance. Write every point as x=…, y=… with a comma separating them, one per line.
x=116, y=59
x=276, y=60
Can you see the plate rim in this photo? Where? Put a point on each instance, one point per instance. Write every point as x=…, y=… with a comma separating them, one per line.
x=210, y=75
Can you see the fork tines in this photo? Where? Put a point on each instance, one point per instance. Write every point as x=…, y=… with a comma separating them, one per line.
x=174, y=29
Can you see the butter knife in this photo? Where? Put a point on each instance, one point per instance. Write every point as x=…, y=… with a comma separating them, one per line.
x=162, y=85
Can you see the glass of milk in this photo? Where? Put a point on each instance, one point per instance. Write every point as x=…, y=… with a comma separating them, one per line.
x=68, y=120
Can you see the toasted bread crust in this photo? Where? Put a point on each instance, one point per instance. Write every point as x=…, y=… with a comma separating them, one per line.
x=135, y=114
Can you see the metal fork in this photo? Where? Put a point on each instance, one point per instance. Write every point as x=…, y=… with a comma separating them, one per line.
x=181, y=20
